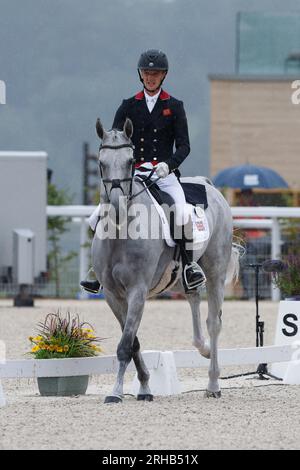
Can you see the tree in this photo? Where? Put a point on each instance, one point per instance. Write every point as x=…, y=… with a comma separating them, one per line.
x=57, y=226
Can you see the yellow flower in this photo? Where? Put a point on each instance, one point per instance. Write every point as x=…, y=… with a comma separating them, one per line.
x=35, y=349
x=91, y=336
x=52, y=347
x=66, y=348
x=38, y=338
x=59, y=349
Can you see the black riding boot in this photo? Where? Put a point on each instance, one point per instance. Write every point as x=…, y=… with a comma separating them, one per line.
x=94, y=285
x=91, y=285
x=192, y=273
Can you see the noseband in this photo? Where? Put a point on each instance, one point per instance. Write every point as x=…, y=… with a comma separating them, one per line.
x=116, y=182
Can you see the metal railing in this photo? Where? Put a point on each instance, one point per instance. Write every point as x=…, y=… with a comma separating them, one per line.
x=267, y=219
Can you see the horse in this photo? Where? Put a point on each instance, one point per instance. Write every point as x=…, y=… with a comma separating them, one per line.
x=128, y=269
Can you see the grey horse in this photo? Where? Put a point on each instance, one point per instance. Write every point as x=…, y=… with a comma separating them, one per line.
x=129, y=269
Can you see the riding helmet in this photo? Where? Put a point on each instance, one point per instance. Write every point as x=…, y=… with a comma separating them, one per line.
x=153, y=59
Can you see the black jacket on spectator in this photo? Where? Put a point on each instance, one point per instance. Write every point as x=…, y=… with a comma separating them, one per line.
x=155, y=133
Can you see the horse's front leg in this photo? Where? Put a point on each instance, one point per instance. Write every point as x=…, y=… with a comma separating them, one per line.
x=128, y=346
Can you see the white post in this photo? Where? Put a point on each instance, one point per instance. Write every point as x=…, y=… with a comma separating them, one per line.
x=275, y=252
x=84, y=253
x=163, y=378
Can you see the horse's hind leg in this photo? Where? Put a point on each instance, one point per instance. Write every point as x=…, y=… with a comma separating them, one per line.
x=215, y=295
x=199, y=342
x=142, y=373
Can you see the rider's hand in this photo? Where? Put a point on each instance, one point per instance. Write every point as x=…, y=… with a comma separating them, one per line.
x=162, y=169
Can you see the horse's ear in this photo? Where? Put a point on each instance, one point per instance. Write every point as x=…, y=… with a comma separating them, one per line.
x=100, y=130
x=128, y=128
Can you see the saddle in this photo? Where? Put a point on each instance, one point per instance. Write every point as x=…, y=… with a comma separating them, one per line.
x=195, y=193
x=196, y=198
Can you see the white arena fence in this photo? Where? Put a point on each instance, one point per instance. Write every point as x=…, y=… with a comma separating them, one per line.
x=268, y=219
x=32, y=368
x=162, y=365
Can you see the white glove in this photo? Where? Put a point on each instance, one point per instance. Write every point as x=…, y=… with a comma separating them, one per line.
x=162, y=169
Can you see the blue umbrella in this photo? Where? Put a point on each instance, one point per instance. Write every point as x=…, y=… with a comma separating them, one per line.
x=249, y=177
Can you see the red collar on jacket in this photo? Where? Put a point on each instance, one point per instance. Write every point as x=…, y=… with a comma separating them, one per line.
x=163, y=95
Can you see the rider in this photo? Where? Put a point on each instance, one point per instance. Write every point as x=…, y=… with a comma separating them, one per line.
x=159, y=122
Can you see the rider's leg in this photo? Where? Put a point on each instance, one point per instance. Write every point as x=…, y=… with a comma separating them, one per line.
x=193, y=275
x=89, y=285
x=192, y=272
x=92, y=286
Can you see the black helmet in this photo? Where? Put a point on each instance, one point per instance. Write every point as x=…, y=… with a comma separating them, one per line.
x=153, y=59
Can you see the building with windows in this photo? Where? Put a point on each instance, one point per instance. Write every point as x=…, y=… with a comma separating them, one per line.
x=253, y=117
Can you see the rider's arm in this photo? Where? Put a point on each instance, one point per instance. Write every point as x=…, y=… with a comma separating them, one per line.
x=181, y=137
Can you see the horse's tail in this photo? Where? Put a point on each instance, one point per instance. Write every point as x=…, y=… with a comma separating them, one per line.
x=237, y=251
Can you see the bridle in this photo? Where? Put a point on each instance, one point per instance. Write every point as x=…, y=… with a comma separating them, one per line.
x=116, y=182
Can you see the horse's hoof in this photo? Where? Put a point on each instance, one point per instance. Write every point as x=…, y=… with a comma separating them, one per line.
x=112, y=399
x=205, y=353
x=146, y=397
x=209, y=394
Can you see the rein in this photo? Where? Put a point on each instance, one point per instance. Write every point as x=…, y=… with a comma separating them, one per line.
x=132, y=196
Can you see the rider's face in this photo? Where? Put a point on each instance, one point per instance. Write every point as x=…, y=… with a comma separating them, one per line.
x=152, y=78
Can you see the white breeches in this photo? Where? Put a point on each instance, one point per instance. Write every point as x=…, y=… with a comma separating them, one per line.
x=171, y=185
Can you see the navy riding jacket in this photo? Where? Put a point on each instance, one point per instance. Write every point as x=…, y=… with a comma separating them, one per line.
x=155, y=133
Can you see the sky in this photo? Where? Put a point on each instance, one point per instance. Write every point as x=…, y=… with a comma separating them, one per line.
x=67, y=62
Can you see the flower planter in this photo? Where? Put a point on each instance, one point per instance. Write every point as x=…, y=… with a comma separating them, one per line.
x=63, y=386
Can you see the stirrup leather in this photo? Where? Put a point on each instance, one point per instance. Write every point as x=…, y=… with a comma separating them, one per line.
x=197, y=270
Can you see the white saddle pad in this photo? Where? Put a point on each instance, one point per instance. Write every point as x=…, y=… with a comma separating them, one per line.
x=200, y=224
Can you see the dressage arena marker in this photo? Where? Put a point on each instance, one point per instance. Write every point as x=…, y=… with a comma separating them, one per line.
x=287, y=332
x=162, y=365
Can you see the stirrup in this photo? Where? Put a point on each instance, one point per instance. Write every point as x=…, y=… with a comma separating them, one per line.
x=197, y=270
